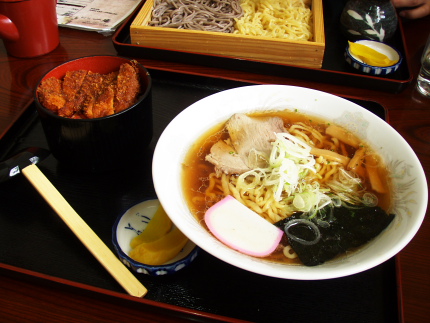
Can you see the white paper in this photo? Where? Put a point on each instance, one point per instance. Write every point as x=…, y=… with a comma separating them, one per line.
x=97, y=15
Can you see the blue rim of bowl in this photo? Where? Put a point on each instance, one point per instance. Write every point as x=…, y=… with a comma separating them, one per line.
x=151, y=270
x=370, y=69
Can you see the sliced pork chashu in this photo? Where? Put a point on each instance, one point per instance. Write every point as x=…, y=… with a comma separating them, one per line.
x=225, y=159
x=248, y=137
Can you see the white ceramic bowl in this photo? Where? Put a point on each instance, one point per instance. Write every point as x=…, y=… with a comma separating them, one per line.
x=132, y=223
x=411, y=192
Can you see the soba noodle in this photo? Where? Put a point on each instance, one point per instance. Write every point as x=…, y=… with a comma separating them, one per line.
x=206, y=15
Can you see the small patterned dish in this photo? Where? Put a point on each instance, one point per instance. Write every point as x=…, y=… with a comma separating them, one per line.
x=131, y=224
x=391, y=52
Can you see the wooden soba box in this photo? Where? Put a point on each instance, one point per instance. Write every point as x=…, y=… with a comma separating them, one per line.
x=263, y=49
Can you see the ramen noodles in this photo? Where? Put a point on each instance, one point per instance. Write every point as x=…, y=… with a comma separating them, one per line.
x=309, y=164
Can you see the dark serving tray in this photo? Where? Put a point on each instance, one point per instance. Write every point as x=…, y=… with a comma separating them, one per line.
x=334, y=69
x=36, y=243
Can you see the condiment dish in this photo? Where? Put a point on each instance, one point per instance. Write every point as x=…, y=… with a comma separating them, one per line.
x=131, y=224
x=383, y=48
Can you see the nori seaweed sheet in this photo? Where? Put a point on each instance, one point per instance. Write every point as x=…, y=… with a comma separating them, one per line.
x=347, y=227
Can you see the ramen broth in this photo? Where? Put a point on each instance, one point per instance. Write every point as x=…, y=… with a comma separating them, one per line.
x=196, y=171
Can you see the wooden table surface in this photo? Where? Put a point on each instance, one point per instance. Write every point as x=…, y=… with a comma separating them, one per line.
x=35, y=300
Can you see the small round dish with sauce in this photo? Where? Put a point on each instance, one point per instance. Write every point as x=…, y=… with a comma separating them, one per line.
x=373, y=48
x=132, y=223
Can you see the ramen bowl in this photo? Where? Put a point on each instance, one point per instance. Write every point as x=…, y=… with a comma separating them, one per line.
x=105, y=143
x=131, y=224
x=410, y=192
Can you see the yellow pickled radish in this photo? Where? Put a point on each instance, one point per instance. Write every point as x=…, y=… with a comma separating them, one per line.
x=157, y=227
x=160, y=251
x=370, y=56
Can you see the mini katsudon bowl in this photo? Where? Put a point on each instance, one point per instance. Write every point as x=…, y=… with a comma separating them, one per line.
x=329, y=155
x=96, y=112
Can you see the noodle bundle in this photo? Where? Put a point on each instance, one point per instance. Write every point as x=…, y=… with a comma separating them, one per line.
x=205, y=15
x=319, y=182
x=252, y=188
x=289, y=19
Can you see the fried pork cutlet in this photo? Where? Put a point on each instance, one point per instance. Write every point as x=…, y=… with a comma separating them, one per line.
x=128, y=87
x=72, y=83
x=104, y=104
x=91, y=86
x=110, y=78
x=85, y=94
x=50, y=94
x=97, y=91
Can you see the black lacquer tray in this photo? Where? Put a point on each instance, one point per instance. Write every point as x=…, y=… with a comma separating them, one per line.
x=334, y=69
x=34, y=240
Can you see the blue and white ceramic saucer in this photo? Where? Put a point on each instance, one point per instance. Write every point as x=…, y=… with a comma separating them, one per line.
x=131, y=224
x=383, y=48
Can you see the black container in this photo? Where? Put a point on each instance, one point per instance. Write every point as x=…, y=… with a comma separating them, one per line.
x=99, y=144
x=369, y=19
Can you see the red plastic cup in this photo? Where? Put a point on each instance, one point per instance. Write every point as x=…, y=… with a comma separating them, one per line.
x=29, y=28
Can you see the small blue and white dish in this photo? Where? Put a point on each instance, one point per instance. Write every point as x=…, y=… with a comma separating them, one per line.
x=392, y=53
x=131, y=224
